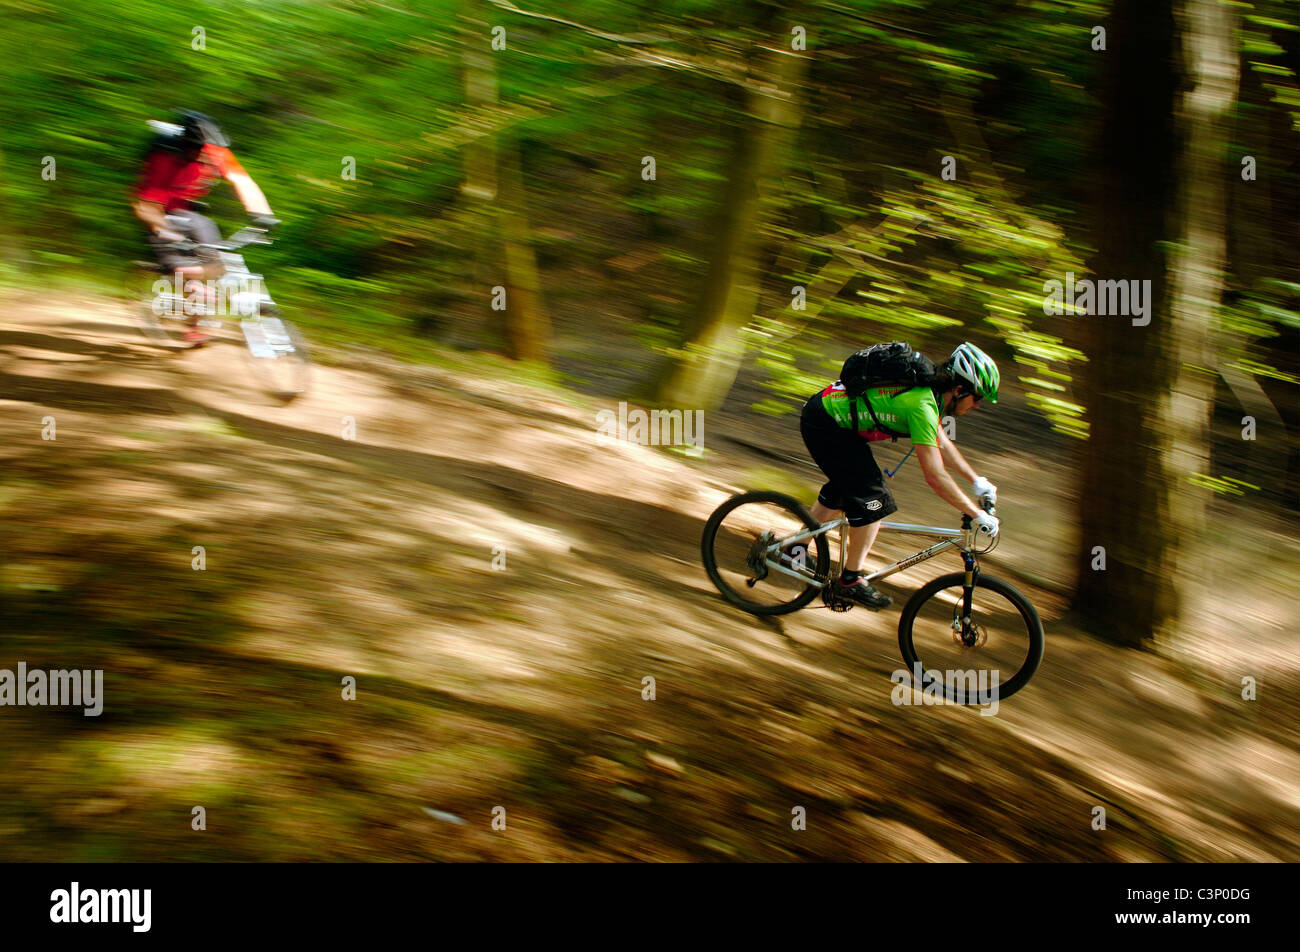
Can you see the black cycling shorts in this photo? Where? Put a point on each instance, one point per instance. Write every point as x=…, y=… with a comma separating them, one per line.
x=854, y=483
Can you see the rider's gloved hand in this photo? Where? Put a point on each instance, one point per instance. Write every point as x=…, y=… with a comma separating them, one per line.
x=265, y=221
x=985, y=525
x=985, y=491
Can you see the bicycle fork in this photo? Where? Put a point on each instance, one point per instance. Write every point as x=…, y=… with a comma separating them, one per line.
x=963, y=629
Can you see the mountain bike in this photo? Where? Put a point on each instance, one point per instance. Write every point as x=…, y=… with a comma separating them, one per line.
x=164, y=308
x=767, y=555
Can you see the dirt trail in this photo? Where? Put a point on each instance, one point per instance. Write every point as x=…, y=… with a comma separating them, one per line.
x=373, y=557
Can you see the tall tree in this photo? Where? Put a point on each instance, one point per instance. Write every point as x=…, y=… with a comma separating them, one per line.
x=710, y=357
x=1125, y=590
x=493, y=175
x=1210, y=68
x=1149, y=388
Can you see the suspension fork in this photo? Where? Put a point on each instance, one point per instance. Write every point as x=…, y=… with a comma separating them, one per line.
x=968, y=592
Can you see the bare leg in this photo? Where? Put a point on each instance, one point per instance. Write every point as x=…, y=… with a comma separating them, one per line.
x=861, y=538
x=188, y=275
x=197, y=280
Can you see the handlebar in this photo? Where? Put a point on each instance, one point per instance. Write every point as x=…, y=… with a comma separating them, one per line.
x=986, y=506
x=248, y=235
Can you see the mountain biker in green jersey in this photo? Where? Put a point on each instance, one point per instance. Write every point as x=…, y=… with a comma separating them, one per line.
x=855, y=485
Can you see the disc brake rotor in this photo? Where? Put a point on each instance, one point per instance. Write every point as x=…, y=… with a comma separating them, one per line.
x=962, y=631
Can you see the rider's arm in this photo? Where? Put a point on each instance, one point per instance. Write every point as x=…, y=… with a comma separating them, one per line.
x=152, y=194
x=941, y=481
x=953, y=458
x=155, y=216
x=151, y=213
x=250, y=195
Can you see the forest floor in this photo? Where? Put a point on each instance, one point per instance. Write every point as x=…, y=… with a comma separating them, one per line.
x=372, y=557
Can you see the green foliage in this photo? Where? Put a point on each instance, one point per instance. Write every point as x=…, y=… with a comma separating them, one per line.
x=1222, y=485
x=886, y=246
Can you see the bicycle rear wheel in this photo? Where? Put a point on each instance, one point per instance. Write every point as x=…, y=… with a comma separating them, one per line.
x=159, y=313
x=741, y=552
x=988, y=654
x=277, y=354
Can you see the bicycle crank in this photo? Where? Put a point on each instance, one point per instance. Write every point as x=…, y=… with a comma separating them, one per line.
x=834, y=601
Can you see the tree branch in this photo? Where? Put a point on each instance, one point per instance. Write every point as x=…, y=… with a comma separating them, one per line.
x=629, y=38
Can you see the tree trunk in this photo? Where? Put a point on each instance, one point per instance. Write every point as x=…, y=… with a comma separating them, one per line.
x=1252, y=235
x=1124, y=497
x=701, y=376
x=11, y=248
x=480, y=73
x=1209, y=48
x=1151, y=388
x=494, y=181
x=528, y=329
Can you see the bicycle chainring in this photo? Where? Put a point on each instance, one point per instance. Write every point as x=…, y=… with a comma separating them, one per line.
x=833, y=600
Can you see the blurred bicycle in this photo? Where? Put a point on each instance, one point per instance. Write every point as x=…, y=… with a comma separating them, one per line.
x=168, y=309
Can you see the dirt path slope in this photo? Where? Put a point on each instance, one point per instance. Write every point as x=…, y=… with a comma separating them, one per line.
x=380, y=557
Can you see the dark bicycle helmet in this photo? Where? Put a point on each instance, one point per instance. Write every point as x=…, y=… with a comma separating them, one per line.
x=199, y=130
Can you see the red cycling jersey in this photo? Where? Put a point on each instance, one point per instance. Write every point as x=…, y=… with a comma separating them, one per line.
x=171, y=182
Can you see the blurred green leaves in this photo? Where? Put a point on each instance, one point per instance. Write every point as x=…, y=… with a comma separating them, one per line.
x=864, y=220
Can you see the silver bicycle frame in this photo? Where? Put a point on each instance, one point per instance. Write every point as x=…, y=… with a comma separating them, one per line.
x=963, y=539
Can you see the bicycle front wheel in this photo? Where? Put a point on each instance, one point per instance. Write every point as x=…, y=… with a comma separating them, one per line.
x=981, y=646
x=748, y=554
x=277, y=355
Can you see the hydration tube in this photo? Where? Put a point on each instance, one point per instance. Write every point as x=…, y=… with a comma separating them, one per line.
x=894, y=473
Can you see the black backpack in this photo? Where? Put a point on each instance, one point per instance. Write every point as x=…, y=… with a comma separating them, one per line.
x=879, y=365
x=163, y=137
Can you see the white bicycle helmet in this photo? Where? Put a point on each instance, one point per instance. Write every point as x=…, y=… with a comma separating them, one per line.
x=976, y=368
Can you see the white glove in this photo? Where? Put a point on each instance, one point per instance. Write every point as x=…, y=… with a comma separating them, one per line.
x=985, y=491
x=985, y=524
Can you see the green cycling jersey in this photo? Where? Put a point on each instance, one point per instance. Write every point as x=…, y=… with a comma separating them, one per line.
x=906, y=412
